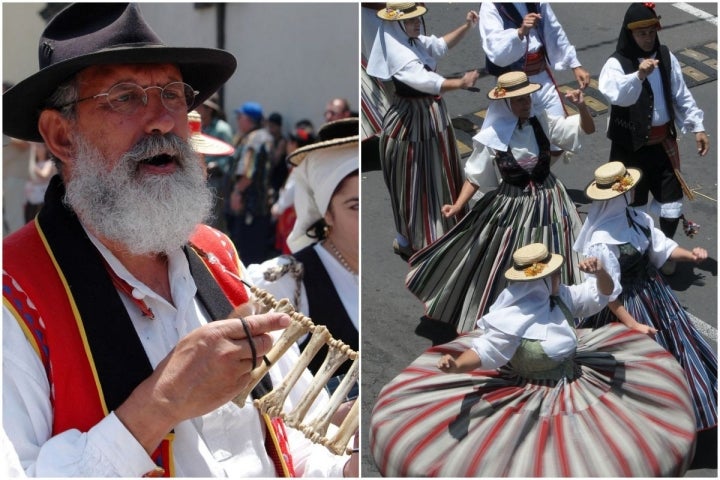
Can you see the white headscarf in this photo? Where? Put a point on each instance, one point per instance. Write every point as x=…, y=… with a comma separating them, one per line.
x=316, y=178
x=499, y=124
x=391, y=51
x=607, y=222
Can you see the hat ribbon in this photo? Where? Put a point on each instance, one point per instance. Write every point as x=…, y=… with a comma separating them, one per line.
x=619, y=184
x=502, y=91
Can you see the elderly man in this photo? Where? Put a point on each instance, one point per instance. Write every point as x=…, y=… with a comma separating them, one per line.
x=112, y=365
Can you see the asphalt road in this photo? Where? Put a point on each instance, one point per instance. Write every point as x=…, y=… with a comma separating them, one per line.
x=391, y=315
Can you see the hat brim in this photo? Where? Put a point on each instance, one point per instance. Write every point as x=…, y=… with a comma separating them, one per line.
x=494, y=94
x=205, y=69
x=418, y=12
x=593, y=192
x=297, y=157
x=208, y=145
x=551, y=266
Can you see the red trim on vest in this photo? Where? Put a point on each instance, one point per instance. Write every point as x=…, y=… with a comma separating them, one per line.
x=76, y=396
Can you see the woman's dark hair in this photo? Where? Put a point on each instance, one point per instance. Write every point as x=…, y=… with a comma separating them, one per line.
x=319, y=229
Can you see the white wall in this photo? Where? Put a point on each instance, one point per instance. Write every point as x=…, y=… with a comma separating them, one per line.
x=292, y=57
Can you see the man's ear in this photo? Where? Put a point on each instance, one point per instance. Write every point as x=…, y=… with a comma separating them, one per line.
x=55, y=130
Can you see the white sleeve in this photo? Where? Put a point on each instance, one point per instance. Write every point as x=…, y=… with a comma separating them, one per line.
x=660, y=247
x=480, y=168
x=501, y=46
x=495, y=348
x=414, y=75
x=563, y=131
x=618, y=87
x=107, y=449
x=437, y=46
x=560, y=51
x=585, y=298
x=688, y=116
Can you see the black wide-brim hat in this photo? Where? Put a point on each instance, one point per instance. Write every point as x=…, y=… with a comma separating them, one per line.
x=87, y=34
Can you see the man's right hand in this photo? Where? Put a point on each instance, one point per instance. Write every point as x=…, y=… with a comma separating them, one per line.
x=530, y=21
x=206, y=369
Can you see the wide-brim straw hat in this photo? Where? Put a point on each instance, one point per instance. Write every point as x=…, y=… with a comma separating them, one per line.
x=401, y=11
x=331, y=134
x=512, y=84
x=532, y=262
x=87, y=34
x=203, y=143
x=611, y=180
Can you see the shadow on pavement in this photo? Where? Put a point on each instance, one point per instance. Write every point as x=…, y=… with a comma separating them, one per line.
x=436, y=331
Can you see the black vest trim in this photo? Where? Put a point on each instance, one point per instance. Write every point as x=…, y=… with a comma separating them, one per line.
x=325, y=307
x=118, y=354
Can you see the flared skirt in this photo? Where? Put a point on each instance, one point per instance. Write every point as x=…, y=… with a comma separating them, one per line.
x=627, y=413
x=653, y=303
x=459, y=276
x=421, y=167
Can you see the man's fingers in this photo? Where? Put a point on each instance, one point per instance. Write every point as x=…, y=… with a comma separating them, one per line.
x=259, y=324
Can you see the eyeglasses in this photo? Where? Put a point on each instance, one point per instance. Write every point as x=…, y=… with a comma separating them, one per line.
x=126, y=98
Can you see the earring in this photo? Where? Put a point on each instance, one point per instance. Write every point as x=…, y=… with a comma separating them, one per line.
x=326, y=230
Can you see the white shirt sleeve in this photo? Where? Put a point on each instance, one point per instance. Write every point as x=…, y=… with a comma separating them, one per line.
x=660, y=247
x=618, y=87
x=501, y=46
x=414, y=75
x=560, y=51
x=563, y=131
x=495, y=348
x=610, y=264
x=107, y=449
x=480, y=167
x=688, y=116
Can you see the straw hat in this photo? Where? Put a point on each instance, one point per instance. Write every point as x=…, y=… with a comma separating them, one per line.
x=205, y=144
x=611, y=180
x=86, y=34
x=401, y=11
x=532, y=262
x=512, y=84
x=331, y=134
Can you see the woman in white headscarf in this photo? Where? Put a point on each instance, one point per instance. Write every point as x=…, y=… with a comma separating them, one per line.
x=527, y=395
x=418, y=153
x=320, y=278
x=460, y=275
x=633, y=249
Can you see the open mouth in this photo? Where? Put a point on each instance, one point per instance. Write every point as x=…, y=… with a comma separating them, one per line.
x=159, y=160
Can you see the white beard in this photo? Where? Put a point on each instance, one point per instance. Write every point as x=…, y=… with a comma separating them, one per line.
x=147, y=214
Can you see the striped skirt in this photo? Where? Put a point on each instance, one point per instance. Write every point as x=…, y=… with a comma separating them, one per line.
x=421, y=167
x=459, y=277
x=374, y=103
x=653, y=303
x=627, y=414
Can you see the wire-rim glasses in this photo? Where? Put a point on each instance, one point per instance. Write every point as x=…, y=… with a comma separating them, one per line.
x=126, y=98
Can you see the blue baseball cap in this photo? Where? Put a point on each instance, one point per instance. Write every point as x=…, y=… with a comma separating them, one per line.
x=252, y=110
